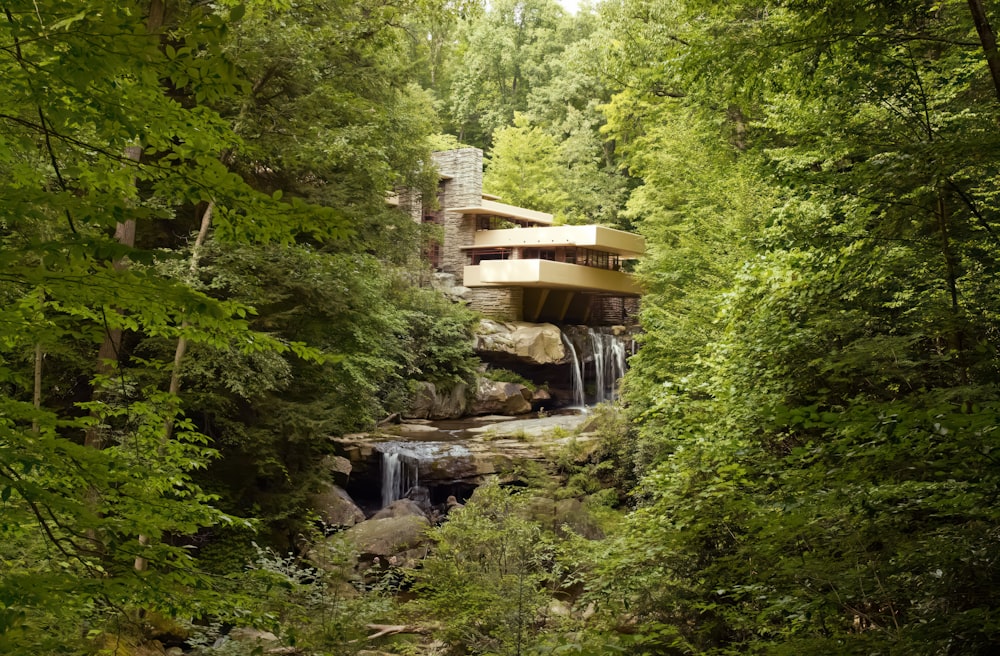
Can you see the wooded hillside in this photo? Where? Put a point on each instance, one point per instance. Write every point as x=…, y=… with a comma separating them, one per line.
x=201, y=281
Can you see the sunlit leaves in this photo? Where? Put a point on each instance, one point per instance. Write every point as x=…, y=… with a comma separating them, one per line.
x=817, y=392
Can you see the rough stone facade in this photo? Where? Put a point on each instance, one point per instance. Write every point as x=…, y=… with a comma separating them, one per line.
x=462, y=187
x=411, y=202
x=498, y=303
x=613, y=310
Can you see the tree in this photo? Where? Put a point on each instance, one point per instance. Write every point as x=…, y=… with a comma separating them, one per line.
x=815, y=479
x=487, y=575
x=505, y=52
x=85, y=87
x=83, y=93
x=524, y=168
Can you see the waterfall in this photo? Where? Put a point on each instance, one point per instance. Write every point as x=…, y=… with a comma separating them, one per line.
x=608, y=354
x=597, y=343
x=399, y=472
x=578, y=399
x=401, y=464
x=618, y=355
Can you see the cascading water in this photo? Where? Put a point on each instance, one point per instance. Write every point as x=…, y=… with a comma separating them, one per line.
x=400, y=472
x=578, y=397
x=597, y=344
x=609, y=363
x=603, y=366
x=401, y=464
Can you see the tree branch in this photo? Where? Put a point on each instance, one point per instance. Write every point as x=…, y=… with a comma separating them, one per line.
x=988, y=40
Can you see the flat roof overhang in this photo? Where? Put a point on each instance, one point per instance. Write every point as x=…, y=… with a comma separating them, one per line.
x=624, y=244
x=550, y=275
x=492, y=208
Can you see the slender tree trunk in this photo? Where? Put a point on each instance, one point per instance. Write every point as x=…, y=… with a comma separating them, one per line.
x=989, y=41
x=141, y=563
x=110, y=349
x=37, y=392
x=957, y=334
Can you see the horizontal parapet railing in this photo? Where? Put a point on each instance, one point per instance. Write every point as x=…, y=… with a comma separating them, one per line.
x=549, y=274
x=619, y=242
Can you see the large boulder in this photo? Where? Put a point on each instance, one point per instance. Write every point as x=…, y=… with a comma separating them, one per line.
x=400, y=508
x=338, y=468
x=496, y=397
x=428, y=402
x=532, y=343
x=390, y=538
x=335, y=506
x=447, y=284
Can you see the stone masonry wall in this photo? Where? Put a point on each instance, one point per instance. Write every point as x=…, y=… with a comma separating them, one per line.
x=463, y=189
x=410, y=201
x=613, y=310
x=498, y=303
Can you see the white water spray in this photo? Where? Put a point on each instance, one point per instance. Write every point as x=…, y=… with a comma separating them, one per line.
x=401, y=464
x=578, y=397
x=400, y=472
x=608, y=355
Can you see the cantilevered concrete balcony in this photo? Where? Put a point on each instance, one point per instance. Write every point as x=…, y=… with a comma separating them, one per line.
x=488, y=206
x=550, y=275
x=624, y=244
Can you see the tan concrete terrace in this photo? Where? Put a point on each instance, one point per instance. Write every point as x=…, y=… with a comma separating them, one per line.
x=626, y=245
x=550, y=274
x=489, y=207
x=515, y=263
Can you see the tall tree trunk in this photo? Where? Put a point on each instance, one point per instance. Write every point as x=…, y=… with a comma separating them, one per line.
x=989, y=41
x=955, y=330
x=110, y=350
x=175, y=372
x=36, y=397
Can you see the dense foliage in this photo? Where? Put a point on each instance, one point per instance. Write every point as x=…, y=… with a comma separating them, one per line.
x=134, y=355
x=817, y=393
x=201, y=281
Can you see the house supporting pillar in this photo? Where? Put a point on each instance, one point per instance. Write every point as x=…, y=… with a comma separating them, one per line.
x=534, y=302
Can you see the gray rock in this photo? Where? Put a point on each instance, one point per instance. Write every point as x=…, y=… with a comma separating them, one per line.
x=428, y=402
x=251, y=635
x=388, y=537
x=335, y=506
x=400, y=508
x=338, y=468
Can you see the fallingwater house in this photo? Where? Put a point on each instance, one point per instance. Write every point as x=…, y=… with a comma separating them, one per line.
x=517, y=265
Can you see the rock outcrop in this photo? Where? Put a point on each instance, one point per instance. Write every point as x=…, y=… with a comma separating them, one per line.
x=401, y=508
x=490, y=397
x=495, y=397
x=335, y=506
x=494, y=449
x=338, y=469
x=396, y=539
x=429, y=402
x=531, y=343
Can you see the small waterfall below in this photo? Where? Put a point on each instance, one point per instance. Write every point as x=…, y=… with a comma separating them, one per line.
x=401, y=464
x=578, y=395
x=400, y=472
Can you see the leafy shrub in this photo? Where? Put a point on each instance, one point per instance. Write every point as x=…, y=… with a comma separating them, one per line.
x=507, y=376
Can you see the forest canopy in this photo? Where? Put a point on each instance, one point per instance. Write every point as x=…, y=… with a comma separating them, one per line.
x=201, y=281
